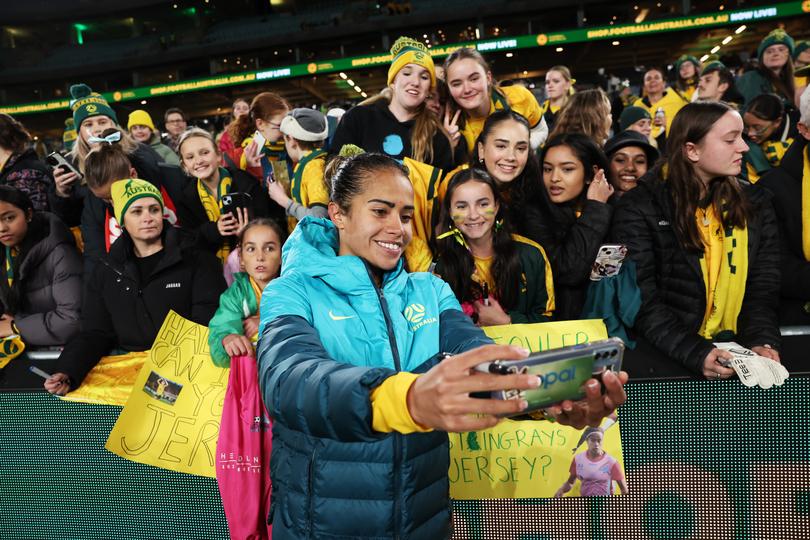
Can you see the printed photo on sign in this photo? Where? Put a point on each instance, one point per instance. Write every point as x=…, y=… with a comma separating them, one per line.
x=162, y=389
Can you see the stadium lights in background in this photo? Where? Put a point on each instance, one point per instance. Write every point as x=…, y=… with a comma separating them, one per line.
x=726, y=41
x=551, y=39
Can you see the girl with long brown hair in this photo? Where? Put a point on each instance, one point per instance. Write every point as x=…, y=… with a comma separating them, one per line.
x=476, y=95
x=586, y=112
x=706, y=250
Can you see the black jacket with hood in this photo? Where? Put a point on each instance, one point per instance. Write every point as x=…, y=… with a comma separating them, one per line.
x=121, y=311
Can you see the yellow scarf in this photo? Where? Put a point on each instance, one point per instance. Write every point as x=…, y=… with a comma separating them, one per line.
x=11, y=254
x=213, y=204
x=806, y=203
x=724, y=265
x=258, y=292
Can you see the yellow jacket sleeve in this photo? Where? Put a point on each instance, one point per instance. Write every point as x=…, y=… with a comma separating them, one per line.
x=389, y=405
x=522, y=101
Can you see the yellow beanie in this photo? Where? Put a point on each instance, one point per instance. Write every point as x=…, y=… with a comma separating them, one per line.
x=409, y=51
x=140, y=118
x=124, y=192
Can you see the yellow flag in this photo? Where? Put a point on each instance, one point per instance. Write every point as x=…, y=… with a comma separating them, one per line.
x=171, y=419
x=526, y=459
x=110, y=381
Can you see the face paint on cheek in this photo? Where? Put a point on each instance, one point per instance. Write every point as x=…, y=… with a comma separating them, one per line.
x=488, y=212
x=458, y=218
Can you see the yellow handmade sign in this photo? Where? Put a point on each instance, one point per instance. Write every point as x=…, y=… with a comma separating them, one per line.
x=528, y=459
x=110, y=381
x=171, y=419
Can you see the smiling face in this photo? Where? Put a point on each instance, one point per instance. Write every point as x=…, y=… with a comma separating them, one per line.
x=260, y=252
x=505, y=151
x=643, y=126
x=563, y=174
x=94, y=126
x=141, y=133
x=144, y=219
x=411, y=86
x=200, y=158
x=13, y=224
x=377, y=227
x=720, y=152
x=469, y=83
x=627, y=165
x=775, y=57
x=556, y=85
x=653, y=82
x=473, y=209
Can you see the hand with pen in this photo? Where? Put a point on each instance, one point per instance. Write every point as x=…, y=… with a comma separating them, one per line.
x=489, y=311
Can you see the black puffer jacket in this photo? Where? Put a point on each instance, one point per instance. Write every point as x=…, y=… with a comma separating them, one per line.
x=45, y=297
x=571, y=244
x=195, y=219
x=671, y=282
x=122, y=311
x=785, y=184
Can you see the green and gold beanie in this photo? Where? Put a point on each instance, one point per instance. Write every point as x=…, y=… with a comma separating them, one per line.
x=776, y=37
x=69, y=135
x=85, y=103
x=631, y=115
x=125, y=192
x=714, y=65
x=801, y=46
x=686, y=58
x=409, y=51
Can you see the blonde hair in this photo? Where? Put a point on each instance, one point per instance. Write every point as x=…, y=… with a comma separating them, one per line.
x=566, y=73
x=190, y=134
x=80, y=150
x=585, y=112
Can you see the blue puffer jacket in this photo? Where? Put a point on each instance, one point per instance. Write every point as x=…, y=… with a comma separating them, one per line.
x=328, y=337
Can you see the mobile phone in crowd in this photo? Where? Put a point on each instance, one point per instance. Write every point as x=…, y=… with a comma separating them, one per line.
x=608, y=261
x=563, y=371
x=232, y=201
x=259, y=139
x=57, y=160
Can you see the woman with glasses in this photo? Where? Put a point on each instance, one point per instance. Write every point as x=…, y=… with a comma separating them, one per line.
x=769, y=132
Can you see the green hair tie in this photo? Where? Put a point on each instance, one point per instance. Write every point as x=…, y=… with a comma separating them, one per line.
x=350, y=150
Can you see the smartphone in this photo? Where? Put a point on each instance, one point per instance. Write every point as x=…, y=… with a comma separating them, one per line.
x=564, y=371
x=232, y=201
x=259, y=139
x=608, y=261
x=57, y=160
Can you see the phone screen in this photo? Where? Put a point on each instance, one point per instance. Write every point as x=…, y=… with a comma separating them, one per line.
x=259, y=139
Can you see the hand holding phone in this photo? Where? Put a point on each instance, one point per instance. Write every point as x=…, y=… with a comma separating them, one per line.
x=608, y=261
x=64, y=174
x=259, y=139
x=563, y=372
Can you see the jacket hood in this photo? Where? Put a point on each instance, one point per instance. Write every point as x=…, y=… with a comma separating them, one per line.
x=53, y=233
x=312, y=249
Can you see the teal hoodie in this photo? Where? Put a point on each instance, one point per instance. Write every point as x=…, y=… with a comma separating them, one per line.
x=337, y=297
x=236, y=304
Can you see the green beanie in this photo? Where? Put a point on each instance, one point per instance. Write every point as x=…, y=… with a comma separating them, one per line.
x=85, y=103
x=801, y=46
x=714, y=65
x=686, y=58
x=776, y=37
x=124, y=192
x=631, y=115
x=69, y=135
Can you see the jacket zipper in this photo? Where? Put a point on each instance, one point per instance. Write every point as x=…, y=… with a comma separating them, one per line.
x=397, y=436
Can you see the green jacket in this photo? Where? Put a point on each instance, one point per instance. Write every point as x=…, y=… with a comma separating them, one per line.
x=166, y=154
x=236, y=304
x=535, y=302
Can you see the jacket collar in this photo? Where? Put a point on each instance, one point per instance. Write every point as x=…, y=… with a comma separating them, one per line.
x=122, y=253
x=312, y=250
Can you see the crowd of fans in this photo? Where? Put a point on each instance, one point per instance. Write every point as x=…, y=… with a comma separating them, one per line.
x=508, y=201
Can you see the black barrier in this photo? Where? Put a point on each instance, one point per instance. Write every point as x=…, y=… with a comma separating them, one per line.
x=704, y=460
